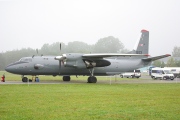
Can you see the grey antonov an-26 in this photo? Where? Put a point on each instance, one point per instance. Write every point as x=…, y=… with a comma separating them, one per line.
x=101, y=64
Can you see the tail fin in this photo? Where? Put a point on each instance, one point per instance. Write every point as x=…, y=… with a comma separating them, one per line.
x=142, y=44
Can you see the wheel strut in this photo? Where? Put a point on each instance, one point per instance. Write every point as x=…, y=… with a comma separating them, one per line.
x=92, y=78
x=91, y=71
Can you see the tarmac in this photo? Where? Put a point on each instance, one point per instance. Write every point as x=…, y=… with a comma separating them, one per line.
x=107, y=80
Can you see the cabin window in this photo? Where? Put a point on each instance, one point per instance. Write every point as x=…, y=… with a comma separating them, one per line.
x=25, y=60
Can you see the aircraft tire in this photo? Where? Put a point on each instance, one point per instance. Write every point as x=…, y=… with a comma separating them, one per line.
x=66, y=78
x=121, y=76
x=92, y=79
x=24, y=79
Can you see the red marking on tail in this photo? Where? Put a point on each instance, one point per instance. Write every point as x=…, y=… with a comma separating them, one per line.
x=144, y=30
x=146, y=55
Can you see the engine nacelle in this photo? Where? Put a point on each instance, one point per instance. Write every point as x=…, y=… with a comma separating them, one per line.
x=96, y=63
x=74, y=60
x=102, y=63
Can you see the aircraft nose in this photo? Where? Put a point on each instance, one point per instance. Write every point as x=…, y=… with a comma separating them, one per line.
x=8, y=68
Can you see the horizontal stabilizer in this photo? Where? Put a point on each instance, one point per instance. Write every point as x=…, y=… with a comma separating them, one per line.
x=156, y=57
x=101, y=55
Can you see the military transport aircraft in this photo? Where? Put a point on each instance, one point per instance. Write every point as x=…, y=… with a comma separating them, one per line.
x=92, y=65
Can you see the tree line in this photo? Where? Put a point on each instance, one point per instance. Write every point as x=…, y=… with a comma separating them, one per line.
x=104, y=45
x=173, y=61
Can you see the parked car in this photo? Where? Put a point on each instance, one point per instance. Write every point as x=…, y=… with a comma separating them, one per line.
x=134, y=74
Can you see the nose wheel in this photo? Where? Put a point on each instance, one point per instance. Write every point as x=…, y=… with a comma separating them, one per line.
x=91, y=78
x=24, y=79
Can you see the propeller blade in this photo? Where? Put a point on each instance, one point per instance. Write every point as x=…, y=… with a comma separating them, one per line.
x=60, y=46
x=61, y=58
x=59, y=66
x=58, y=58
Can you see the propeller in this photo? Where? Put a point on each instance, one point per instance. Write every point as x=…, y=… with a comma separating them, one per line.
x=60, y=58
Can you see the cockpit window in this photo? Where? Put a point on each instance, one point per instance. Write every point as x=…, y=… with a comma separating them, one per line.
x=25, y=60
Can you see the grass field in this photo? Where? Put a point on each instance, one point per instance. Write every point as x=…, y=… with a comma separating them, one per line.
x=90, y=101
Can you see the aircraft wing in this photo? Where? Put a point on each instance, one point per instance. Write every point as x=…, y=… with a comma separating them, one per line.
x=156, y=57
x=99, y=55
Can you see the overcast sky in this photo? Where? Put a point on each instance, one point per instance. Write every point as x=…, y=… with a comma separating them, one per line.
x=36, y=22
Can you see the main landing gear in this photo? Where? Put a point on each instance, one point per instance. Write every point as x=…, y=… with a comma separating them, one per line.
x=66, y=78
x=91, y=78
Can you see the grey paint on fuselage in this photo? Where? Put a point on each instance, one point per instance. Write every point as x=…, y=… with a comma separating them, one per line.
x=47, y=65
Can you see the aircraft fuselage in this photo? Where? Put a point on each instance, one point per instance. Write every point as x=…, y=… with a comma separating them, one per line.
x=47, y=65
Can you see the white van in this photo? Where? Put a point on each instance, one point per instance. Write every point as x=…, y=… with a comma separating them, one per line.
x=174, y=70
x=161, y=73
x=134, y=74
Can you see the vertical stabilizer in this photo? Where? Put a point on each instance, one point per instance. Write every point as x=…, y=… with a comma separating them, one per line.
x=142, y=44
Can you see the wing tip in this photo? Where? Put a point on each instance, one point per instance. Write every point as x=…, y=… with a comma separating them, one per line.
x=168, y=55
